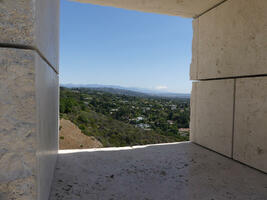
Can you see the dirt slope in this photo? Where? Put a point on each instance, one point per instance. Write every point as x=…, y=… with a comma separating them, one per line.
x=71, y=137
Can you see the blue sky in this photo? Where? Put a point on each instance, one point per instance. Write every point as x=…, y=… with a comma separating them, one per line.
x=104, y=45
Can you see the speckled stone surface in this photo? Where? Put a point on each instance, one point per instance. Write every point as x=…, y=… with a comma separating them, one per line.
x=231, y=41
x=17, y=125
x=183, y=171
x=28, y=125
x=250, y=137
x=211, y=120
x=32, y=23
x=16, y=22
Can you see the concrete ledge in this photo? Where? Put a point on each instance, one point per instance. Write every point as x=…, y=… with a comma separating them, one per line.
x=172, y=171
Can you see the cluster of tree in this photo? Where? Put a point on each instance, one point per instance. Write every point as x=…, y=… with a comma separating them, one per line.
x=122, y=120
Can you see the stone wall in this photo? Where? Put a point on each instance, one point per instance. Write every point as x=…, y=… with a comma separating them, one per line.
x=28, y=97
x=31, y=24
x=18, y=130
x=229, y=100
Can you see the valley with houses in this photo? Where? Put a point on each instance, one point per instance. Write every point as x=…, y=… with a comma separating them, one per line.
x=115, y=118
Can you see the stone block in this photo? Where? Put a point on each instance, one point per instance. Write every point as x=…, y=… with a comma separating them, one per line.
x=211, y=123
x=193, y=66
x=184, y=8
x=17, y=125
x=47, y=103
x=33, y=23
x=250, y=133
x=28, y=125
x=232, y=40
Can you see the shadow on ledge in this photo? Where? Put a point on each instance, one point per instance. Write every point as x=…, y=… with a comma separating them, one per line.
x=180, y=171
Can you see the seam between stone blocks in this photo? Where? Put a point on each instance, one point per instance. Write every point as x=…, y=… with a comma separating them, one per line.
x=233, y=125
x=198, y=32
x=233, y=77
x=27, y=47
x=206, y=11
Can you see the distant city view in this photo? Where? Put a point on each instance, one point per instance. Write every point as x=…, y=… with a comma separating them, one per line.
x=116, y=116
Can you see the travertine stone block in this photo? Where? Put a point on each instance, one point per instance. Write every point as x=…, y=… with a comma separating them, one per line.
x=28, y=125
x=194, y=64
x=212, y=115
x=184, y=8
x=250, y=133
x=17, y=125
x=32, y=23
x=47, y=99
x=232, y=40
x=193, y=105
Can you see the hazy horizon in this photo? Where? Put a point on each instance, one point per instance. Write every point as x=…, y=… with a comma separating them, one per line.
x=72, y=85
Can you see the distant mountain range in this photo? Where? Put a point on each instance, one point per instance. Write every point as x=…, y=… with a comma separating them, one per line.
x=128, y=90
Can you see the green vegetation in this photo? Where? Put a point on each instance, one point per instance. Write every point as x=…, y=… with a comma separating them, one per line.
x=124, y=120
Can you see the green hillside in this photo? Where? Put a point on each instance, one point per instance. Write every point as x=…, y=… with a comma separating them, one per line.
x=91, y=112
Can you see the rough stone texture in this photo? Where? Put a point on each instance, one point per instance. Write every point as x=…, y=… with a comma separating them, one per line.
x=32, y=23
x=232, y=40
x=16, y=22
x=28, y=140
x=174, y=171
x=17, y=125
x=250, y=135
x=212, y=115
x=184, y=8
